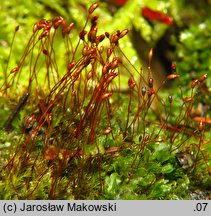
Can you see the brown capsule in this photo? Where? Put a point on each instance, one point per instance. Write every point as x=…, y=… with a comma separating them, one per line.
x=111, y=150
x=147, y=137
x=105, y=69
x=93, y=57
x=93, y=7
x=114, y=63
x=106, y=95
x=107, y=34
x=30, y=122
x=109, y=52
x=92, y=35
x=45, y=51
x=82, y=34
x=36, y=27
x=114, y=38
x=150, y=82
x=67, y=29
x=14, y=70
x=194, y=83
x=100, y=38
x=202, y=119
x=45, y=33
x=131, y=83
x=158, y=139
x=143, y=90
x=42, y=23
x=170, y=99
x=57, y=21
x=94, y=20
x=86, y=50
x=76, y=74
x=111, y=77
x=57, y=24
x=17, y=28
x=123, y=33
x=201, y=125
x=101, y=49
x=70, y=65
x=47, y=26
x=151, y=92
x=173, y=67
x=150, y=54
x=93, y=50
x=187, y=100
x=107, y=131
x=172, y=76
x=203, y=77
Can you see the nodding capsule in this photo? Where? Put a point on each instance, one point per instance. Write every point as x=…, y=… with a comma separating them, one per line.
x=36, y=27
x=147, y=138
x=172, y=76
x=123, y=33
x=203, y=77
x=131, y=83
x=107, y=131
x=202, y=119
x=14, y=70
x=94, y=21
x=106, y=95
x=150, y=54
x=93, y=7
x=173, y=67
x=114, y=63
x=82, y=34
x=70, y=65
x=186, y=100
x=67, y=29
x=101, y=49
x=151, y=92
x=105, y=69
x=170, y=99
x=57, y=21
x=111, y=77
x=86, y=50
x=45, y=52
x=107, y=34
x=92, y=35
x=114, y=38
x=45, y=33
x=158, y=139
x=109, y=52
x=100, y=38
x=143, y=90
x=201, y=126
x=17, y=28
x=194, y=83
x=150, y=82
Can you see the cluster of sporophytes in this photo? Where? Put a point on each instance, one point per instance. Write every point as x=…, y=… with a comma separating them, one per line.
x=74, y=130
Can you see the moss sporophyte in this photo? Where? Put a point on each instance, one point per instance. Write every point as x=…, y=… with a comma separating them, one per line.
x=85, y=123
